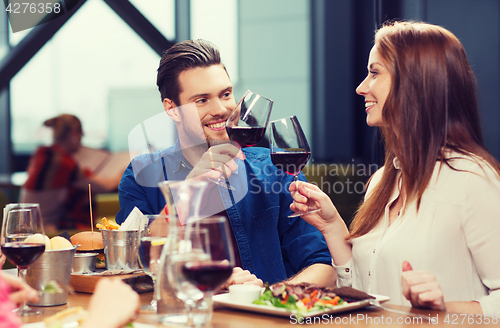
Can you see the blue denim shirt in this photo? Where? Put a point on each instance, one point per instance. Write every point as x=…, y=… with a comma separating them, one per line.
x=271, y=245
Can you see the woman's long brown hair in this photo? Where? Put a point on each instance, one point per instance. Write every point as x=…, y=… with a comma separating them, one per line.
x=431, y=106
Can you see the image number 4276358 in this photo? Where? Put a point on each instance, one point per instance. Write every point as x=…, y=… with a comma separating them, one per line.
x=25, y=14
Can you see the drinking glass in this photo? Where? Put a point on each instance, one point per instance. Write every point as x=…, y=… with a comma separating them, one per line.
x=247, y=124
x=289, y=149
x=209, y=274
x=187, y=244
x=23, y=241
x=151, y=242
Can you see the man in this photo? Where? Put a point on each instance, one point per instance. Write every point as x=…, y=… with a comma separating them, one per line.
x=198, y=95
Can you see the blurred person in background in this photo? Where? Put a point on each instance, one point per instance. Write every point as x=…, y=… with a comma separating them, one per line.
x=58, y=183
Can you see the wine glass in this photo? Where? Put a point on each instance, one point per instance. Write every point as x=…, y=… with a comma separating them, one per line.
x=289, y=149
x=186, y=244
x=23, y=241
x=151, y=242
x=247, y=124
x=209, y=274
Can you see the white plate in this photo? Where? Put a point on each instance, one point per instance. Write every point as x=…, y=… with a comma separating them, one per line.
x=41, y=324
x=223, y=299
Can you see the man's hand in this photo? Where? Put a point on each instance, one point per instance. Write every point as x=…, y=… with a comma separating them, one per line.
x=217, y=160
x=241, y=276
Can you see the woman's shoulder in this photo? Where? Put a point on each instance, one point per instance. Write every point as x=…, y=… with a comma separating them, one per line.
x=374, y=180
x=470, y=164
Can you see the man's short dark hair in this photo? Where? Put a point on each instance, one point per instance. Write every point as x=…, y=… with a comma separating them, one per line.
x=180, y=57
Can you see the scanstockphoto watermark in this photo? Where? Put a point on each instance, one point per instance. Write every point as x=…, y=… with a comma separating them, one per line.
x=25, y=14
x=360, y=318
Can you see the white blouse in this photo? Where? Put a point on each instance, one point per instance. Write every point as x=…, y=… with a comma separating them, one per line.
x=455, y=236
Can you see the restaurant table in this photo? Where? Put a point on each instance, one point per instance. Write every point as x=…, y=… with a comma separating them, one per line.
x=365, y=317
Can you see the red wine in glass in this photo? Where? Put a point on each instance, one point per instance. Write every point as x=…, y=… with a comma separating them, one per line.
x=289, y=148
x=22, y=254
x=247, y=124
x=291, y=162
x=21, y=222
x=207, y=276
x=246, y=136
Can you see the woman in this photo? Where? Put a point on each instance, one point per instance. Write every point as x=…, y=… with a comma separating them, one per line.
x=427, y=232
x=57, y=183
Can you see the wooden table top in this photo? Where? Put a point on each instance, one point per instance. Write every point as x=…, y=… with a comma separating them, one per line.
x=366, y=317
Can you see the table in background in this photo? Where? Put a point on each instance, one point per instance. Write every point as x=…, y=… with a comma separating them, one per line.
x=225, y=317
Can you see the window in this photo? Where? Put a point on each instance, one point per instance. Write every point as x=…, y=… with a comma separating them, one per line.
x=97, y=68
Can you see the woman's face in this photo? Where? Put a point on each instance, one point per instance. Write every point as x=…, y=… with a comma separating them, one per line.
x=375, y=88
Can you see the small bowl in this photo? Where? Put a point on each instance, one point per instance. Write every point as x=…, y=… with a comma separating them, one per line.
x=84, y=262
x=244, y=293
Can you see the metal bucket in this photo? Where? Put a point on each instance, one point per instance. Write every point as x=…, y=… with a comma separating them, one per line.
x=84, y=262
x=120, y=249
x=53, y=265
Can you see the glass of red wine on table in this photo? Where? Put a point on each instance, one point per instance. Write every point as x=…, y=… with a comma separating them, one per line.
x=185, y=244
x=290, y=150
x=247, y=124
x=22, y=241
x=210, y=274
x=200, y=262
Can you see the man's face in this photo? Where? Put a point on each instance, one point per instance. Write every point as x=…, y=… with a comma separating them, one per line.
x=210, y=89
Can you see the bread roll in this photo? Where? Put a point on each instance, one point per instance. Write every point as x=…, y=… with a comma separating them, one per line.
x=59, y=242
x=38, y=238
x=88, y=241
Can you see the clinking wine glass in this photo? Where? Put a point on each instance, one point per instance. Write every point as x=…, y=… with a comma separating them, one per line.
x=247, y=124
x=211, y=273
x=289, y=149
x=152, y=240
x=18, y=243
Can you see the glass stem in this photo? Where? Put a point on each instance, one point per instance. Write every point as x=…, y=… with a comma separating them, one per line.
x=210, y=306
x=190, y=305
x=22, y=273
x=155, y=289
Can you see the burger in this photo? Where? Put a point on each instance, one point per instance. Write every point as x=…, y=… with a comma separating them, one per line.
x=90, y=242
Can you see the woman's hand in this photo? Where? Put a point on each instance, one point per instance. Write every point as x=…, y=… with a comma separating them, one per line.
x=421, y=289
x=241, y=276
x=20, y=291
x=305, y=196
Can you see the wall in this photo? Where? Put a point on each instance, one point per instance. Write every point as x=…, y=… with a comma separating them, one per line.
x=274, y=56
